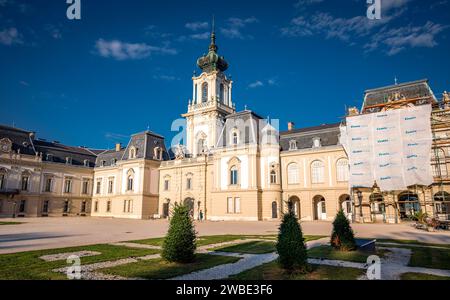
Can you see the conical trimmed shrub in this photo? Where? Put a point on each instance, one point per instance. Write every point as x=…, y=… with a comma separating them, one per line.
x=180, y=243
x=291, y=246
x=342, y=237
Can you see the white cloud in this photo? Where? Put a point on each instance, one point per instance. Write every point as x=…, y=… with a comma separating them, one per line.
x=10, y=37
x=398, y=39
x=165, y=77
x=194, y=26
x=256, y=84
x=124, y=51
x=234, y=27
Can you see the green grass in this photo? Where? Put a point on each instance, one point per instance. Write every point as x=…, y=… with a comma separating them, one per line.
x=272, y=271
x=215, y=239
x=160, y=269
x=256, y=247
x=430, y=258
x=28, y=265
x=409, y=242
x=420, y=276
x=327, y=252
x=10, y=223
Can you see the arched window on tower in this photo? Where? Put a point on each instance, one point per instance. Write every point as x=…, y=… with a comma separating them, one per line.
x=222, y=94
x=205, y=92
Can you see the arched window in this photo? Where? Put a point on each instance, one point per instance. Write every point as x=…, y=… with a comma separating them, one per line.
x=292, y=145
x=342, y=170
x=293, y=174
x=317, y=172
x=130, y=180
x=3, y=174
x=234, y=175
x=235, y=137
x=201, y=146
x=273, y=177
x=205, y=92
x=133, y=153
x=317, y=143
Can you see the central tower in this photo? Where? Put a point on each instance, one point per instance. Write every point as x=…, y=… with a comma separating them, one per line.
x=211, y=102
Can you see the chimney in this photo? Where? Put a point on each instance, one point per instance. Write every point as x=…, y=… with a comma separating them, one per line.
x=291, y=126
x=118, y=147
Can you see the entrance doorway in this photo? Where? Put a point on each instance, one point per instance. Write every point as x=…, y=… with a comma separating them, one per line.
x=346, y=205
x=189, y=202
x=166, y=209
x=294, y=206
x=274, y=210
x=320, y=208
x=408, y=204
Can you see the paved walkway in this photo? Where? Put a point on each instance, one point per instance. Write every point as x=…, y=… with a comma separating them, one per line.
x=49, y=233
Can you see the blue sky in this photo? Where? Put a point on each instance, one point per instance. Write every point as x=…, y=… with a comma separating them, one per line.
x=128, y=64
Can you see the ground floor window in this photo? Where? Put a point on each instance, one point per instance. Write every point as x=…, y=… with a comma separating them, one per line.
x=108, y=206
x=274, y=210
x=128, y=206
x=45, y=206
x=83, y=206
x=408, y=205
x=66, y=206
x=22, y=206
x=96, y=206
x=234, y=205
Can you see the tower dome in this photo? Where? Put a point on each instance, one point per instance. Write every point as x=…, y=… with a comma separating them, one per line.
x=212, y=61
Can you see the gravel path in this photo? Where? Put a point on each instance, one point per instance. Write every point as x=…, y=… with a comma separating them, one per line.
x=64, y=256
x=136, y=245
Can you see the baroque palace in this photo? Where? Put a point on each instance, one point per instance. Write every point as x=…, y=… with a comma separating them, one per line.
x=233, y=165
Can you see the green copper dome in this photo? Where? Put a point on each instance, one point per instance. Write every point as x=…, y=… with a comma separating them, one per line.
x=212, y=61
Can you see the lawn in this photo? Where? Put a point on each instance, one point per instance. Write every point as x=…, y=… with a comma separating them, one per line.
x=28, y=265
x=10, y=223
x=255, y=247
x=160, y=269
x=215, y=239
x=409, y=242
x=430, y=258
x=272, y=271
x=420, y=276
x=327, y=252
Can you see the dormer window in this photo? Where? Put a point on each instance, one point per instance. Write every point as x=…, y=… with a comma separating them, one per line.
x=49, y=157
x=68, y=160
x=103, y=163
x=235, y=137
x=133, y=153
x=86, y=163
x=157, y=153
x=113, y=162
x=317, y=143
x=292, y=145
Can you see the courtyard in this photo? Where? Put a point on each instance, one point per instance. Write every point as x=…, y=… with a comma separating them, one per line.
x=118, y=249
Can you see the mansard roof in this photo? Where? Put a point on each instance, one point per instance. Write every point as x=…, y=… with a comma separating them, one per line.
x=144, y=143
x=304, y=137
x=418, y=89
x=21, y=139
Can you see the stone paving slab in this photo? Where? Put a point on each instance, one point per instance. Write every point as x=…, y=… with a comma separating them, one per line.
x=64, y=256
x=136, y=245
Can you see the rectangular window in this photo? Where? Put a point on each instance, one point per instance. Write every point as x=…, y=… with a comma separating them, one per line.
x=128, y=206
x=110, y=185
x=237, y=205
x=85, y=188
x=22, y=206
x=68, y=186
x=99, y=186
x=25, y=180
x=234, y=177
x=166, y=185
x=230, y=205
x=66, y=206
x=83, y=206
x=189, y=184
x=1, y=206
x=108, y=206
x=96, y=206
x=48, y=184
x=45, y=206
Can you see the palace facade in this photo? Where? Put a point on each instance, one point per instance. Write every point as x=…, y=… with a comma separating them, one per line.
x=234, y=165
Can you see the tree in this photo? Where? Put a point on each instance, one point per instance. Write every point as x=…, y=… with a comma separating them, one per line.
x=342, y=237
x=291, y=246
x=180, y=242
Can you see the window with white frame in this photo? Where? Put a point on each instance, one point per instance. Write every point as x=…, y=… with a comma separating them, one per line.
x=166, y=184
x=110, y=185
x=292, y=145
x=67, y=185
x=128, y=206
x=132, y=153
x=237, y=205
x=317, y=143
x=189, y=183
x=98, y=188
x=235, y=137
x=439, y=163
x=25, y=181
x=48, y=184
x=317, y=172
x=230, y=205
x=273, y=177
x=130, y=180
x=85, y=188
x=342, y=170
x=234, y=176
x=293, y=173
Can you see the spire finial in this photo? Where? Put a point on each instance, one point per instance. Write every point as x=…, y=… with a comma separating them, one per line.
x=213, y=46
x=396, y=80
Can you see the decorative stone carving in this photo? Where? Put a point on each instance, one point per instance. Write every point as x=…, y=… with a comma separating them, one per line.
x=5, y=145
x=180, y=152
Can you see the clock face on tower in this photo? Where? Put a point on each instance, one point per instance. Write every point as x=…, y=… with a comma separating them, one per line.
x=5, y=145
